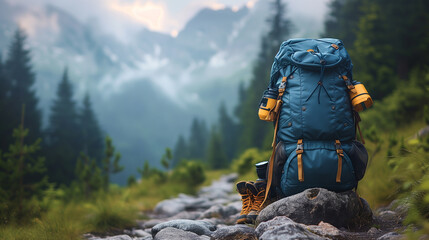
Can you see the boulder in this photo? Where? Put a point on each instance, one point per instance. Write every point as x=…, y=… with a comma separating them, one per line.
x=235, y=232
x=169, y=207
x=140, y=233
x=314, y=205
x=219, y=189
x=326, y=230
x=191, y=215
x=391, y=236
x=220, y=211
x=151, y=223
x=195, y=226
x=284, y=228
x=118, y=237
x=170, y=233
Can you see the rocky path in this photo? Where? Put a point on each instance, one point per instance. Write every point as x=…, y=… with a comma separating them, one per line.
x=316, y=214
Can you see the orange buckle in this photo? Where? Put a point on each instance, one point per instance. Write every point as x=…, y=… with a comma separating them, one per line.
x=338, y=148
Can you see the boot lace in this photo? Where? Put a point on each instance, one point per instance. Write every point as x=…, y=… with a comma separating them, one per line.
x=258, y=200
x=247, y=204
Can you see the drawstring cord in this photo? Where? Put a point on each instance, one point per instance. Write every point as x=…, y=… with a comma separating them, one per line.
x=320, y=83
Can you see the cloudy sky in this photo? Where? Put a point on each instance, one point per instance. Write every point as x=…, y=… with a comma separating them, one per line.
x=122, y=17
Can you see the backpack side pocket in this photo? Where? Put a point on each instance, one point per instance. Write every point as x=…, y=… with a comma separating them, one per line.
x=359, y=158
x=279, y=162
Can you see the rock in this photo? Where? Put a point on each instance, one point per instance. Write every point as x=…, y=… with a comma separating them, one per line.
x=423, y=132
x=390, y=236
x=213, y=221
x=314, y=205
x=229, y=178
x=119, y=237
x=326, y=230
x=169, y=207
x=191, y=215
x=284, y=228
x=151, y=223
x=400, y=207
x=144, y=238
x=219, y=189
x=197, y=227
x=170, y=233
x=236, y=205
x=235, y=232
x=374, y=231
x=402, y=210
x=219, y=211
x=389, y=220
x=140, y=233
x=389, y=216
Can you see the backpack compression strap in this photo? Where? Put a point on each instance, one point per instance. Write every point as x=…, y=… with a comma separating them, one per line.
x=340, y=155
x=300, y=151
x=282, y=88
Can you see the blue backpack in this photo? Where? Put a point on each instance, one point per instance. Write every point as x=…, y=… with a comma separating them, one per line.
x=314, y=101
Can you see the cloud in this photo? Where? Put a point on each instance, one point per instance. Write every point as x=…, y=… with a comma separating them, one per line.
x=34, y=22
x=148, y=13
x=251, y=3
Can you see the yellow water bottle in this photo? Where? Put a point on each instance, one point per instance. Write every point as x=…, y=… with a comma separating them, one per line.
x=267, y=105
x=360, y=98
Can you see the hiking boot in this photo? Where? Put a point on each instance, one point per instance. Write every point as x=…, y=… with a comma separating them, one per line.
x=246, y=199
x=257, y=189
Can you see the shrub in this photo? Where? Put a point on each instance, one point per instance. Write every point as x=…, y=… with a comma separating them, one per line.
x=247, y=160
x=189, y=172
x=110, y=214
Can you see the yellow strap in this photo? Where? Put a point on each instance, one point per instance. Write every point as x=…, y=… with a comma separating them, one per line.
x=300, y=172
x=299, y=151
x=271, y=161
x=340, y=155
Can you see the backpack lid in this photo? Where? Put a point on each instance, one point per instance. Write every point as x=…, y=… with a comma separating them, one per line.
x=311, y=59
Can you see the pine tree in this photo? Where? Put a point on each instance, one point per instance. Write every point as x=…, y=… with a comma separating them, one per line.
x=21, y=176
x=180, y=151
x=19, y=85
x=385, y=31
x=343, y=21
x=64, y=143
x=4, y=104
x=109, y=166
x=92, y=137
x=166, y=159
x=145, y=172
x=88, y=175
x=197, y=140
x=228, y=132
x=216, y=157
x=131, y=181
x=254, y=131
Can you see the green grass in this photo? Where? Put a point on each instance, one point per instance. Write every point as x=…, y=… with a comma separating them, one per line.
x=378, y=186
x=64, y=222
x=105, y=212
